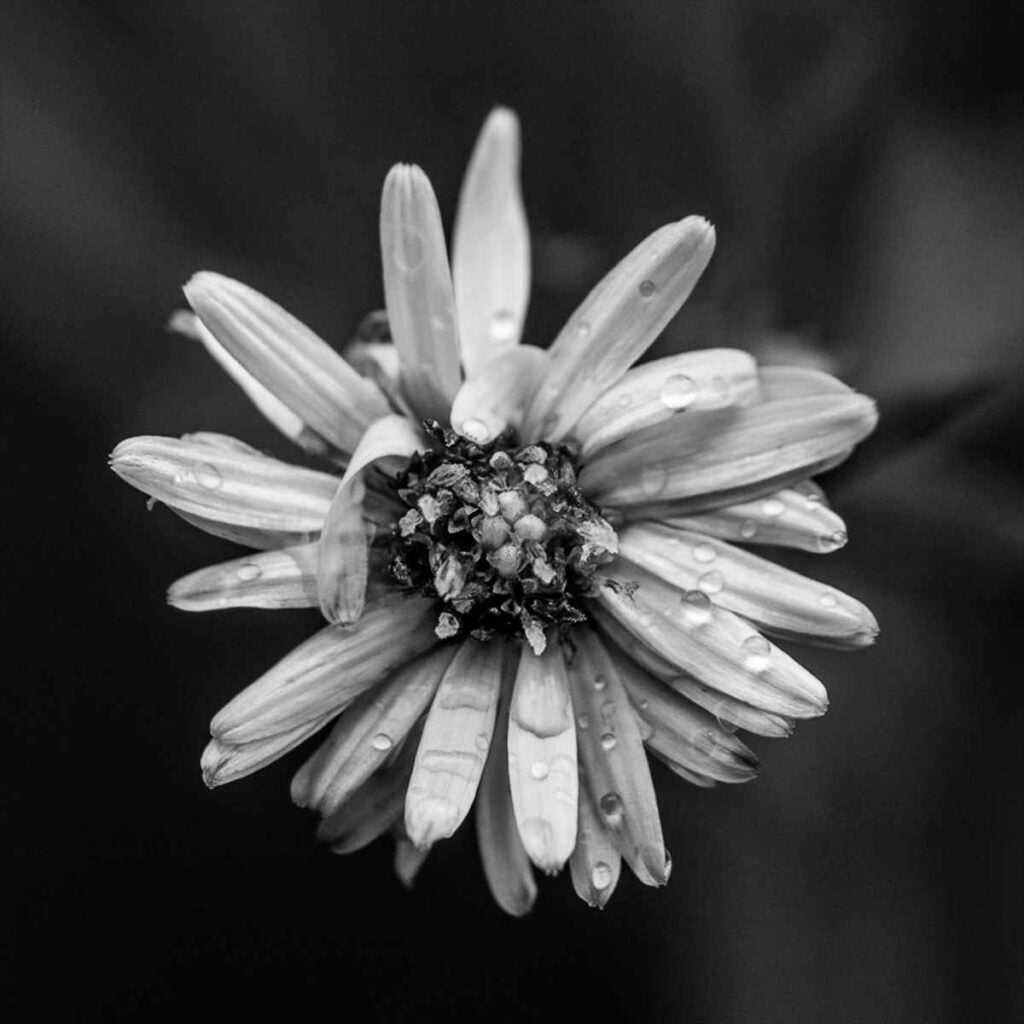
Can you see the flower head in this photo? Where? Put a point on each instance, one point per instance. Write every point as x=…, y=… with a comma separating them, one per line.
x=533, y=564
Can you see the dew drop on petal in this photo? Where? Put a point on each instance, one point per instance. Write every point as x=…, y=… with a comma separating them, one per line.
x=583, y=329
x=696, y=607
x=678, y=391
x=756, y=651
x=643, y=703
x=583, y=721
x=600, y=682
x=382, y=742
x=748, y=529
x=248, y=572
x=503, y=325
x=653, y=480
x=711, y=582
x=601, y=875
x=611, y=808
x=608, y=741
x=475, y=430
x=828, y=599
x=647, y=288
x=773, y=507
x=483, y=741
x=208, y=476
x=704, y=553
x=539, y=770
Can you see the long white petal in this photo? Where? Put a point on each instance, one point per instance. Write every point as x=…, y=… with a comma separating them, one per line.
x=295, y=365
x=542, y=758
x=344, y=548
x=491, y=245
x=595, y=863
x=617, y=322
x=712, y=378
x=457, y=733
x=418, y=292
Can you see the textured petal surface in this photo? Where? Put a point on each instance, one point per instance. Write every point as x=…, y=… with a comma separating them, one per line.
x=418, y=292
x=328, y=671
x=295, y=365
x=542, y=758
x=775, y=599
x=456, y=736
x=692, y=461
x=617, y=322
x=612, y=755
x=713, y=378
x=491, y=246
x=595, y=864
x=498, y=395
x=344, y=545
x=226, y=486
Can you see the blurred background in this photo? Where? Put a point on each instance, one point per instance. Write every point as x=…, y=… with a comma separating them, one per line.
x=862, y=164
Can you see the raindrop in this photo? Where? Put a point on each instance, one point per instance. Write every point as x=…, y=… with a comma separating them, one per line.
x=539, y=770
x=678, y=391
x=696, y=607
x=249, y=572
x=503, y=325
x=653, y=481
x=608, y=741
x=475, y=430
x=773, y=507
x=611, y=808
x=647, y=288
x=583, y=329
x=483, y=741
x=600, y=682
x=704, y=553
x=748, y=529
x=382, y=742
x=208, y=476
x=601, y=875
x=828, y=599
x=756, y=651
x=643, y=703
x=583, y=721
x=711, y=582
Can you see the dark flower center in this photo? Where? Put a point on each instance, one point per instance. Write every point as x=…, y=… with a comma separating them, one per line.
x=500, y=533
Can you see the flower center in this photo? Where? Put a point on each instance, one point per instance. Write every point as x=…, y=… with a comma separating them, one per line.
x=500, y=533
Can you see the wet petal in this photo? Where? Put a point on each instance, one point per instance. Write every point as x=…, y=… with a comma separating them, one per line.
x=491, y=245
x=612, y=754
x=505, y=862
x=710, y=643
x=418, y=291
x=368, y=732
x=542, y=758
x=691, y=382
x=617, y=322
x=296, y=366
x=328, y=671
x=224, y=486
x=595, y=863
x=344, y=546
x=692, y=462
x=498, y=395
x=456, y=736
x=795, y=517
x=775, y=599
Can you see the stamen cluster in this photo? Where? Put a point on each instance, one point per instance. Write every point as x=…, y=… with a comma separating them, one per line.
x=500, y=533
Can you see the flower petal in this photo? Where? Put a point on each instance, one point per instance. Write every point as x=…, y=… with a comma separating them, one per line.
x=272, y=579
x=712, y=378
x=542, y=758
x=224, y=486
x=710, y=643
x=723, y=707
x=499, y=393
x=788, y=382
x=795, y=517
x=248, y=536
x=456, y=735
x=367, y=733
x=617, y=322
x=296, y=366
x=692, y=463
x=408, y=861
x=418, y=292
x=775, y=599
x=595, y=863
x=328, y=671
x=505, y=862
x=491, y=245
x=612, y=754
x=344, y=547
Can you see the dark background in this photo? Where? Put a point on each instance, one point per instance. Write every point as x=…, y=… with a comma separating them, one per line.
x=863, y=168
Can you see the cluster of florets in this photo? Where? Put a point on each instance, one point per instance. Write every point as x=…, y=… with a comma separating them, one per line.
x=500, y=533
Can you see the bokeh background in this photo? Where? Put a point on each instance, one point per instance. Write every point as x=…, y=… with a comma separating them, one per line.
x=862, y=164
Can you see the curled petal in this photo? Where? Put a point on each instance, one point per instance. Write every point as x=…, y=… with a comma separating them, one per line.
x=344, y=548
x=617, y=322
x=691, y=382
x=498, y=395
x=595, y=863
x=288, y=359
x=418, y=292
x=491, y=246
x=225, y=486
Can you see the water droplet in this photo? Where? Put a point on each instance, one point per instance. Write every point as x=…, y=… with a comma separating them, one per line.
x=711, y=582
x=248, y=572
x=643, y=703
x=409, y=251
x=678, y=391
x=608, y=741
x=653, y=481
x=756, y=651
x=647, y=288
x=832, y=541
x=773, y=507
x=748, y=529
x=382, y=741
x=503, y=325
x=483, y=741
x=208, y=476
x=696, y=607
x=813, y=498
x=583, y=721
x=704, y=553
x=611, y=808
x=539, y=770
x=828, y=599
x=475, y=430
x=600, y=682
x=601, y=875
x=583, y=329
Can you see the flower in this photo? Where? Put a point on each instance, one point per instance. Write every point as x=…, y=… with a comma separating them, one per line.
x=535, y=564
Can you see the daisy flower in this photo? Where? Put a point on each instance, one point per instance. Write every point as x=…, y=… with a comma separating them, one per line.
x=535, y=565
